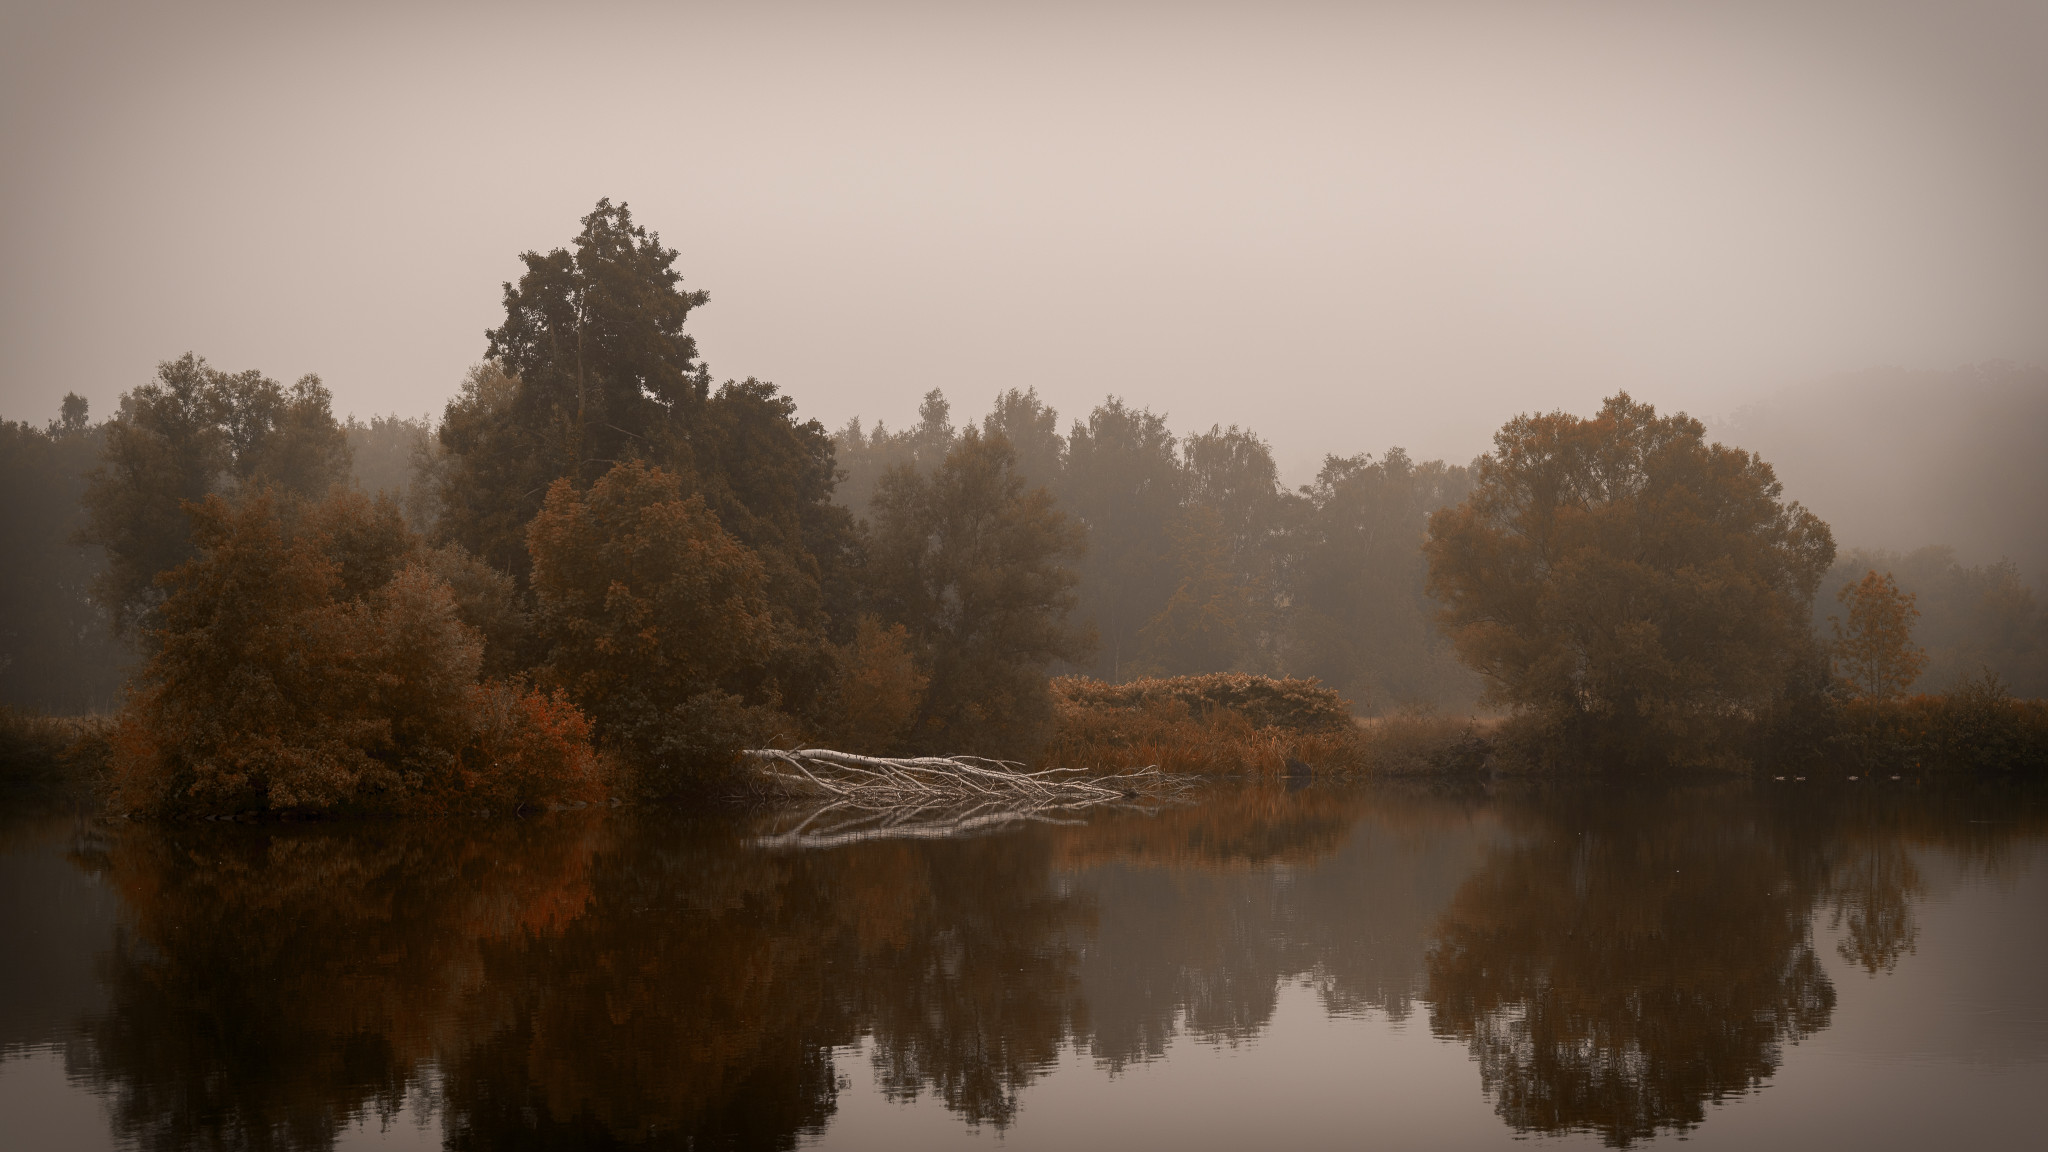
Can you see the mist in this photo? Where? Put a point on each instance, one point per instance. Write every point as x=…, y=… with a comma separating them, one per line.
x=1344, y=226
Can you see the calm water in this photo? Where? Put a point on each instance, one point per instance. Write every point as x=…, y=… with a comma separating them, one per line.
x=1790, y=966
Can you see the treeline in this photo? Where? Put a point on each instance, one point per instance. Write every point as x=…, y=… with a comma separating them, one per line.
x=597, y=542
x=1199, y=560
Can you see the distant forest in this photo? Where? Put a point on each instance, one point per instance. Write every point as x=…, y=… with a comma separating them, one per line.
x=1154, y=553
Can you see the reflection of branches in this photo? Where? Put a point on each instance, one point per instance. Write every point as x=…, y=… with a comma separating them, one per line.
x=1874, y=893
x=924, y=780
x=851, y=821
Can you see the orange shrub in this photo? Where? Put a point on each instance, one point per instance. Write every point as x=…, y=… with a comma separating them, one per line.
x=306, y=662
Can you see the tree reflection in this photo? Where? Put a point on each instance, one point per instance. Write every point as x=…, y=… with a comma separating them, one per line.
x=637, y=980
x=271, y=985
x=1624, y=963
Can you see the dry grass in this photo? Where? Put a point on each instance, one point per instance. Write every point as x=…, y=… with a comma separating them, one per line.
x=53, y=758
x=1425, y=743
x=1256, y=725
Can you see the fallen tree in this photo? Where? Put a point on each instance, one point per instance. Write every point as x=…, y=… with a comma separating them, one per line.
x=923, y=781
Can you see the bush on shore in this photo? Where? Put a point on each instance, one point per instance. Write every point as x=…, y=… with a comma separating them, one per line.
x=1976, y=727
x=307, y=661
x=52, y=758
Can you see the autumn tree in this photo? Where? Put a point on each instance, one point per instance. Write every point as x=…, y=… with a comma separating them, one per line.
x=1623, y=572
x=192, y=432
x=972, y=563
x=657, y=622
x=880, y=687
x=1873, y=649
x=305, y=661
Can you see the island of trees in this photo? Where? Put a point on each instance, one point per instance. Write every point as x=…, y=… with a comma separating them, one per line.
x=601, y=573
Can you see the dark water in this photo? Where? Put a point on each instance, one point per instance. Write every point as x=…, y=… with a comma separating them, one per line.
x=1782, y=967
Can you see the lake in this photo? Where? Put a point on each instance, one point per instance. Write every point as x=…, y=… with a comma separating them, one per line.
x=1769, y=965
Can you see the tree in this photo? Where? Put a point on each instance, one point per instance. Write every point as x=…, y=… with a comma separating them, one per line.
x=1622, y=572
x=192, y=432
x=593, y=368
x=1358, y=617
x=57, y=648
x=305, y=661
x=1124, y=484
x=1033, y=429
x=657, y=623
x=1874, y=648
x=590, y=367
x=880, y=687
x=969, y=561
x=865, y=456
x=1210, y=622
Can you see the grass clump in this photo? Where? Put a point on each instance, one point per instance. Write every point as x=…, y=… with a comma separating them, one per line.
x=53, y=759
x=1218, y=724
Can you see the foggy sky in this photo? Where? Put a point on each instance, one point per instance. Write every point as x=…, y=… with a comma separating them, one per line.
x=1346, y=226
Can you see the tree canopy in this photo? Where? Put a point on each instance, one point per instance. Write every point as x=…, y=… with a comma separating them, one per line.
x=973, y=564
x=1623, y=569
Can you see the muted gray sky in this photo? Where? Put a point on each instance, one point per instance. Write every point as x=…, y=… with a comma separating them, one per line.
x=1346, y=226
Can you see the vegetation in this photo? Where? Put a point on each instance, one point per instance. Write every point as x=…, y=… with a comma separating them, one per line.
x=1620, y=577
x=306, y=661
x=595, y=550
x=1873, y=648
x=968, y=560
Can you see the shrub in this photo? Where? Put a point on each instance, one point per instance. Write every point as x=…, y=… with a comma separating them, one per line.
x=1977, y=727
x=306, y=662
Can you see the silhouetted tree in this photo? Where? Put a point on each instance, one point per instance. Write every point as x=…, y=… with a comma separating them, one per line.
x=593, y=368
x=57, y=647
x=1358, y=617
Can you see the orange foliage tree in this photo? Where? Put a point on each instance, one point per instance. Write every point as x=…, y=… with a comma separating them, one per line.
x=1874, y=648
x=1623, y=572
x=657, y=623
x=306, y=661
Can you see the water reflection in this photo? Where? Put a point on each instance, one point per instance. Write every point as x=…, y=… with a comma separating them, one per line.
x=1626, y=962
x=1614, y=963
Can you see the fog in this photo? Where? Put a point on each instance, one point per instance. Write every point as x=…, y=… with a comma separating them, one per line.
x=1345, y=226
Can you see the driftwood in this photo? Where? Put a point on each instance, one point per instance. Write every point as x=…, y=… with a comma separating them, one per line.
x=935, y=797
